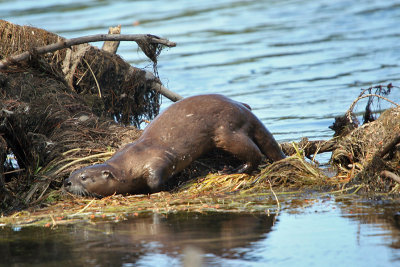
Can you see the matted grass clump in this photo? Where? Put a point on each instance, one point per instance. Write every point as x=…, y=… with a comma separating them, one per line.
x=259, y=193
x=290, y=173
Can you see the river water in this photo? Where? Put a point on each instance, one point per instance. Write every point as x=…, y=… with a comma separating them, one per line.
x=297, y=63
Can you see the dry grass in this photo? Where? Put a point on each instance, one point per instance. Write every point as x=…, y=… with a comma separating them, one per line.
x=259, y=193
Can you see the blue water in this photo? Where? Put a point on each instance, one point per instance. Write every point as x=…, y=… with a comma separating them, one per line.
x=297, y=63
x=321, y=232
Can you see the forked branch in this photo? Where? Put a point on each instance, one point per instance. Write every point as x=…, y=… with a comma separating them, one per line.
x=152, y=39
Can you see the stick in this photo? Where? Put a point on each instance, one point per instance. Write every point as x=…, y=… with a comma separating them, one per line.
x=389, y=146
x=86, y=39
x=94, y=77
x=166, y=92
x=391, y=175
x=276, y=198
x=156, y=86
x=110, y=46
x=84, y=208
x=310, y=147
x=105, y=154
x=350, y=110
x=101, y=37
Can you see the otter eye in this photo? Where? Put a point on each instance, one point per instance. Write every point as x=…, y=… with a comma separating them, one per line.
x=83, y=177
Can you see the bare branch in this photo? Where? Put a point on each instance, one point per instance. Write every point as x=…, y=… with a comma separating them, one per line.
x=86, y=39
x=156, y=86
x=310, y=147
x=391, y=175
x=389, y=146
x=111, y=46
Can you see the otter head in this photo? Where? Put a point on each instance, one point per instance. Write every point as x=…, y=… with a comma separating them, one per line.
x=98, y=180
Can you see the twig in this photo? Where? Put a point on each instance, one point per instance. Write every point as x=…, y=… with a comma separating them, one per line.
x=357, y=186
x=83, y=159
x=84, y=208
x=350, y=110
x=276, y=198
x=309, y=147
x=54, y=221
x=156, y=86
x=138, y=38
x=166, y=92
x=14, y=171
x=358, y=189
x=389, y=146
x=86, y=39
x=112, y=47
x=391, y=175
x=94, y=77
x=316, y=152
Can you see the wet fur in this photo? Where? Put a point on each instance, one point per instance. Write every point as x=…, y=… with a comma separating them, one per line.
x=183, y=132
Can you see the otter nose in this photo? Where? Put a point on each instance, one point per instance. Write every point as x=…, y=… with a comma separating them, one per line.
x=67, y=182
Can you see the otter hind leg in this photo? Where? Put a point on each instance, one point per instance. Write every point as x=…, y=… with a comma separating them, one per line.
x=241, y=146
x=267, y=144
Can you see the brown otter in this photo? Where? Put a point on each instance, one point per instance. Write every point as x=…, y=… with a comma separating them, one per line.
x=175, y=138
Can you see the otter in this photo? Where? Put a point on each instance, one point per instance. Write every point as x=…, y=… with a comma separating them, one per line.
x=179, y=135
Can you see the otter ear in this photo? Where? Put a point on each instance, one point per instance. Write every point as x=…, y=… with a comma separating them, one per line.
x=106, y=174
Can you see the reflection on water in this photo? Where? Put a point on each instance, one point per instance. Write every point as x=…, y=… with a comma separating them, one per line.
x=146, y=240
x=308, y=232
x=341, y=232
